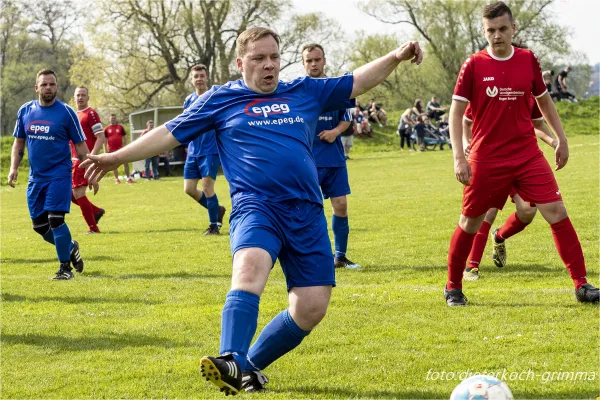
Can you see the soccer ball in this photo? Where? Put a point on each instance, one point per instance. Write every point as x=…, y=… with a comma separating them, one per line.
x=481, y=387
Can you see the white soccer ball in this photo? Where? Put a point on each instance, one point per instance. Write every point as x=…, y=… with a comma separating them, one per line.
x=481, y=387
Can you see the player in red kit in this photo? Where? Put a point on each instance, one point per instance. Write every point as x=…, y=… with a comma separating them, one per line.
x=94, y=138
x=116, y=137
x=497, y=82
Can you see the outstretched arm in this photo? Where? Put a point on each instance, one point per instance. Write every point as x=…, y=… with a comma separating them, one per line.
x=372, y=74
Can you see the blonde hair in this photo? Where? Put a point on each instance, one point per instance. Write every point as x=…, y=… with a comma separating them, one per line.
x=252, y=35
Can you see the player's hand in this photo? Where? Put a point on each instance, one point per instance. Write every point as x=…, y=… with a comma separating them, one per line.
x=12, y=177
x=98, y=165
x=410, y=51
x=328, y=136
x=94, y=186
x=561, y=154
x=462, y=170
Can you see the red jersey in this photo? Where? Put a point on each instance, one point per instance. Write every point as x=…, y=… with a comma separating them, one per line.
x=114, y=136
x=90, y=122
x=536, y=113
x=499, y=91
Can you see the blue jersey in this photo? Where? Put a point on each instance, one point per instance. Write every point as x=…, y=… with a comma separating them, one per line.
x=48, y=131
x=330, y=154
x=265, y=140
x=203, y=145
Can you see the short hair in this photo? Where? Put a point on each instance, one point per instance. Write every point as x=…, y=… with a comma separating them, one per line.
x=82, y=87
x=149, y=122
x=252, y=35
x=200, y=67
x=113, y=115
x=496, y=10
x=310, y=47
x=45, y=72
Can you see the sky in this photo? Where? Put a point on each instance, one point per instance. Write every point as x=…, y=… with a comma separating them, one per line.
x=580, y=16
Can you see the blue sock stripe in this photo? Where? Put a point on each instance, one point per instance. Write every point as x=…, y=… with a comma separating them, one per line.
x=341, y=230
x=212, y=203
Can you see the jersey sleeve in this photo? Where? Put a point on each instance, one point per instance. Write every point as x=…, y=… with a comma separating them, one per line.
x=196, y=119
x=123, y=133
x=331, y=93
x=19, y=131
x=463, y=91
x=94, y=121
x=536, y=113
x=346, y=115
x=538, y=89
x=468, y=113
x=74, y=129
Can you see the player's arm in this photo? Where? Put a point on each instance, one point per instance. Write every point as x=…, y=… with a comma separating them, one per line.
x=157, y=141
x=17, y=154
x=550, y=114
x=467, y=130
x=543, y=133
x=100, y=142
x=462, y=170
x=82, y=150
x=372, y=74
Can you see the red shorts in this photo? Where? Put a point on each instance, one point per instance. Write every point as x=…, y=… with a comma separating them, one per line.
x=491, y=184
x=78, y=179
x=112, y=149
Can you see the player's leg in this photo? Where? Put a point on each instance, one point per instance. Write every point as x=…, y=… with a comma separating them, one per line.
x=147, y=163
x=127, y=173
x=87, y=208
x=209, y=167
x=155, y=174
x=537, y=184
x=472, y=271
x=116, y=174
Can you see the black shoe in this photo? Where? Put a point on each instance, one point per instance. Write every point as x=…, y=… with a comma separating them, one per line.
x=224, y=372
x=343, y=262
x=254, y=381
x=64, y=272
x=76, y=259
x=221, y=215
x=455, y=297
x=499, y=250
x=587, y=294
x=99, y=215
x=212, y=230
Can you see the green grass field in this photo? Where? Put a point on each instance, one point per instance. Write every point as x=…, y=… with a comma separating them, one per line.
x=148, y=305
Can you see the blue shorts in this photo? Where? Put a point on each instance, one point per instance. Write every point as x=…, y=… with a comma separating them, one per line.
x=199, y=167
x=333, y=181
x=294, y=231
x=52, y=195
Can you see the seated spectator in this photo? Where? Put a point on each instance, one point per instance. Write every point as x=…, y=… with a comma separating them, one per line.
x=360, y=123
x=369, y=130
x=561, y=85
x=361, y=108
x=417, y=110
x=421, y=130
x=405, y=129
x=434, y=109
x=377, y=114
x=444, y=127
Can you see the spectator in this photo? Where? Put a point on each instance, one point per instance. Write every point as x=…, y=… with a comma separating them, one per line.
x=444, y=128
x=561, y=85
x=405, y=129
x=347, y=139
x=377, y=114
x=417, y=109
x=434, y=109
x=421, y=130
x=151, y=160
x=368, y=127
x=360, y=123
x=164, y=158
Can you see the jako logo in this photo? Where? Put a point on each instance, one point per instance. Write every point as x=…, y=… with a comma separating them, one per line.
x=39, y=126
x=492, y=92
x=488, y=78
x=260, y=107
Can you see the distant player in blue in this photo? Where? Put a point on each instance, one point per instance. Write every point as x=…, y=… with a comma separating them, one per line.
x=265, y=130
x=202, y=160
x=330, y=158
x=46, y=126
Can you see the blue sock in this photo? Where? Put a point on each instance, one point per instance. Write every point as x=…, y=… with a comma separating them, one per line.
x=49, y=236
x=62, y=241
x=202, y=200
x=340, y=228
x=212, y=203
x=238, y=324
x=279, y=337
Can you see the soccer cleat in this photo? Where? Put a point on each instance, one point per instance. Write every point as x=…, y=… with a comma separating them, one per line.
x=90, y=232
x=455, y=297
x=499, y=251
x=212, y=230
x=471, y=274
x=221, y=215
x=224, y=372
x=587, y=294
x=254, y=381
x=76, y=259
x=343, y=262
x=99, y=215
x=129, y=180
x=117, y=181
x=64, y=272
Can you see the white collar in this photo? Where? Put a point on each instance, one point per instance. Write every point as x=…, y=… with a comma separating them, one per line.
x=512, y=52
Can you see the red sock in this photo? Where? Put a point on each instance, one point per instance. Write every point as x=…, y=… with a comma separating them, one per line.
x=88, y=213
x=73, y=199
x=569, y=249
x=511, y=227
x=460, y=246
x=479, y=245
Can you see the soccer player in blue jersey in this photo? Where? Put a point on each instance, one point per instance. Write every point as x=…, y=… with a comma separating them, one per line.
x=46, y=126
x=202, y=160
x=265, y=130
x=330, y=159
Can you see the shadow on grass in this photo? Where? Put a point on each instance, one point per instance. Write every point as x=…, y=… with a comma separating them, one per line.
x=168, y=230
x=111, y=341
x=175, y=275
x=54, y=260
x=72, y=300
x=339, y=393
